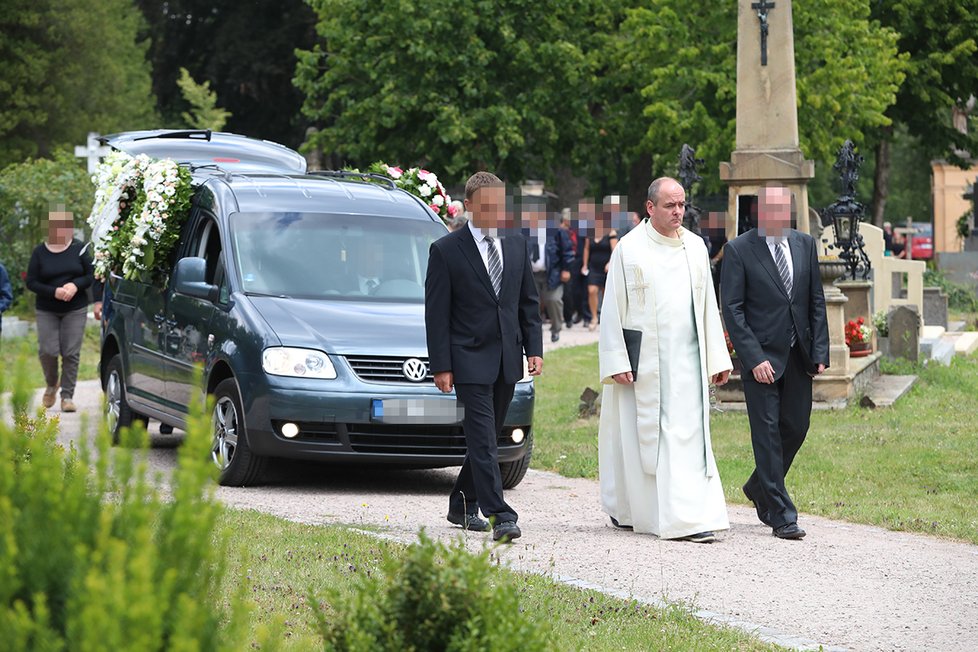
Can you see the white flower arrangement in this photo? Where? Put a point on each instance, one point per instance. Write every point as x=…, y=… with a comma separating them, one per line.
x=139, y=206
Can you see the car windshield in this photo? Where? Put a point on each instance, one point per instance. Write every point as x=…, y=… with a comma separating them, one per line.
x=323, y=255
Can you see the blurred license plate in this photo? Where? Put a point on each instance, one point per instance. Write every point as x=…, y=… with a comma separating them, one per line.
x=416, y=410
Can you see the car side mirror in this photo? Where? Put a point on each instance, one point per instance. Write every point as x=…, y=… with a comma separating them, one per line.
x=189, y=278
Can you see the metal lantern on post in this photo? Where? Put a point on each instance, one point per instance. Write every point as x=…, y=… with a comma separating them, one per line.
x=846, y=213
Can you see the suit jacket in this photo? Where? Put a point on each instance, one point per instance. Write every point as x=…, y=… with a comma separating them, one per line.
x=470, y=331
x=759, y=314
x=558, y=255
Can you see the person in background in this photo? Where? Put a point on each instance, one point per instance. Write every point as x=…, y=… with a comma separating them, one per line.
x=597, y=255
x=6, y=294
x=551, y=258
x=893, y=243
x=458, y=215
x=571, y=315
x=60, y=273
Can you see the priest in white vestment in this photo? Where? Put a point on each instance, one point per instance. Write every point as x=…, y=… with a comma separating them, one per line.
x=656, y=464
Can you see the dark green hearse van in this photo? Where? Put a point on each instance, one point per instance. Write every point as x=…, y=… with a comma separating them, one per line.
x=301, y=298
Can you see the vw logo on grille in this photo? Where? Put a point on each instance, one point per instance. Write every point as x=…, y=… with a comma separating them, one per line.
x=414, y=370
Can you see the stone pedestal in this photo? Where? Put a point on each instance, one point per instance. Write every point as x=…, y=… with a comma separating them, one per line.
x=835, y=312
x=859, y=295
x=859, y=305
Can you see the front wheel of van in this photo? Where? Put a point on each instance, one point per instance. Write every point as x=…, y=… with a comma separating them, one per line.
x=512, y=472
x=118, y=414
x=229, y=450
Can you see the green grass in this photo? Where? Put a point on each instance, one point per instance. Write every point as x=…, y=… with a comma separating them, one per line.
x=284, y=560
x=27, y=346
x=909, y=467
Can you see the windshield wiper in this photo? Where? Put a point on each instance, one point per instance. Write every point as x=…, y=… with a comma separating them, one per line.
x=262, y=294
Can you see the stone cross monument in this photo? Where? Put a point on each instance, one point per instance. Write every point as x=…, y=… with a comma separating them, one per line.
x=767, y=113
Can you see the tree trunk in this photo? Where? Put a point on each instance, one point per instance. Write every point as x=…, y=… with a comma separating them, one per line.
x=639, y=178
x=881, y=179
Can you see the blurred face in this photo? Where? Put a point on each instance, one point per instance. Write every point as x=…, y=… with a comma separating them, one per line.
x=488, y=207
x=773, y=211
x=667, y=211
x=371, y=262
x=61, y=226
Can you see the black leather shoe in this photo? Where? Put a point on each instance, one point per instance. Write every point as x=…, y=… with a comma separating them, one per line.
x=614, y=521
x=554, y=336
x=761, y=513
x=789, y=531
x=506, y=532
x=469, y=522
x=701, y=537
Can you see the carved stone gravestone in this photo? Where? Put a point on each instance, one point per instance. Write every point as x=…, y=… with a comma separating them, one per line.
x=935, y=307
x=904, y=333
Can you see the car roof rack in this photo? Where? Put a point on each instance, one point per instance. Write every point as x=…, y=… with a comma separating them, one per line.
x=207, y=166
x=349, y=174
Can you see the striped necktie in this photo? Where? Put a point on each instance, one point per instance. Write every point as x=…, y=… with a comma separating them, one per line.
x=782, y=263
x=783, y=270
x=495, y=266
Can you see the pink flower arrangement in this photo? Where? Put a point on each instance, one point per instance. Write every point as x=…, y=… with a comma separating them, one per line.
x=421, y=183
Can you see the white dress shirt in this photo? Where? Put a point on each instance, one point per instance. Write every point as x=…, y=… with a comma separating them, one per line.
x=541, y=263
x=480, y=242
x=782, y=242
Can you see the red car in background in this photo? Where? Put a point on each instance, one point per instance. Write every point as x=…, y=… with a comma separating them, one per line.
x=922, y=247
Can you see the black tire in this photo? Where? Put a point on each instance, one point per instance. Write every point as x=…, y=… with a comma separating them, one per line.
x=229, y=448
x=513, y=472
x=117, y=411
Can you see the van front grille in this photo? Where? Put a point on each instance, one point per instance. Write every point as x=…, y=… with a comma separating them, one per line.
x=378, y=369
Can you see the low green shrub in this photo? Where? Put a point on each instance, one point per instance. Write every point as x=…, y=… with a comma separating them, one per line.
x=431, y=597
x=91, y=555
x=960, y=297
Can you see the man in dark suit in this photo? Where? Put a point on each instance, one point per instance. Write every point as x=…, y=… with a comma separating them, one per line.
x=774, y=312
x=551, y=259
x=481, y=314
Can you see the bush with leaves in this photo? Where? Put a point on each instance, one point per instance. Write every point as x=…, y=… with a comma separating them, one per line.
x=93, y=558
x=960, y=297
x=432, y=597
x=27, y=191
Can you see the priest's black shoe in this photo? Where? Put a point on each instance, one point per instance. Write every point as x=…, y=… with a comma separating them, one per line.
x=506, y=531
x=701, y=537
x=761, y=513
x=554, y=336
x=614, y=521
x=789, y=531
x=469, y=522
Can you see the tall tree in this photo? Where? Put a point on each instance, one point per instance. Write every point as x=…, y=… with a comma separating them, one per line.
x=939, y=38
x=610, y=89
x=681, y=59
x=69, y=67
x=245, y=50
x=461, y=84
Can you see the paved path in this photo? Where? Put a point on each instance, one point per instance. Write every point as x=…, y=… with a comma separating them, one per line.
x=844, y=586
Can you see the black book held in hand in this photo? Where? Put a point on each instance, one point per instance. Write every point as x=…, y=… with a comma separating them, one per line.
x=633, y=345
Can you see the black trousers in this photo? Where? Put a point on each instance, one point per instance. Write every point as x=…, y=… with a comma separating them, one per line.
x=479, y=484
x=779, y=416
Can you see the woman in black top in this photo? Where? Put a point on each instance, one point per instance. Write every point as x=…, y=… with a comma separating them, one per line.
x=597, y=255
x=60, y=273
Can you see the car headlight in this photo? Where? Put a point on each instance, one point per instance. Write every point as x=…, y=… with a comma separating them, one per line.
x=527, y=378
x=298, y=363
